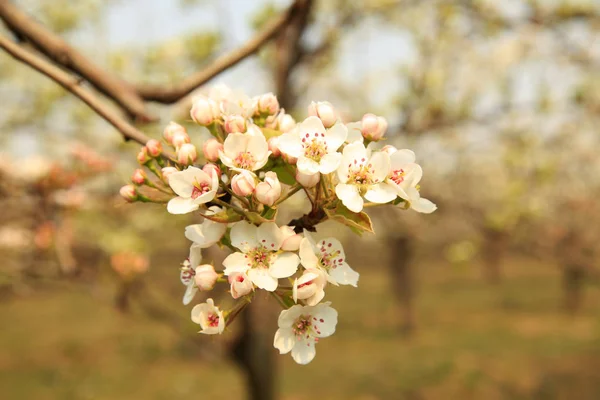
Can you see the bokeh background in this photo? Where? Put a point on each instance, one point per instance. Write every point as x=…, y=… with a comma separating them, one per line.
x=494, y=296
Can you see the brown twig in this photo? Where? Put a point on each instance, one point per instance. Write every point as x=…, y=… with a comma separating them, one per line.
x=173, y=93
x=54, y=47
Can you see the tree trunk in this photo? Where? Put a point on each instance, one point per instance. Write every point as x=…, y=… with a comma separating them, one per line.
x=402, y=280
x=573, y=278
x=494, y=249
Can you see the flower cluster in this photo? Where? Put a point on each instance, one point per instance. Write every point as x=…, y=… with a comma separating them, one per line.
x=259, y=157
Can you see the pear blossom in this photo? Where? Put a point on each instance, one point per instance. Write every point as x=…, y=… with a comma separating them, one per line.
x=268, y=191
x=314, y=146
x=260, y=255
x=404, y=177
x=373, y=127
x=154, y=148
x=187, y=154
x=328, y=257
x=324, y=111
x=241, y=285
x=204, y=110
x=188, y=272
x=291, y=239
x=193, y=187
x=244, y=183
x=308, y=181
x=301, y=327
x=310, y=287
x=211, y=149
x=129, y=193
x=209, y=317
x=205, y=277
x=241, y=151
x=167, y=171
x=363, y=174
x=266, y=104
x=208, y=232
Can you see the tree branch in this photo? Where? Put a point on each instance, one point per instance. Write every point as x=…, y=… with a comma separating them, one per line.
x=73, y=85
x=50, y=44
x=173, y=93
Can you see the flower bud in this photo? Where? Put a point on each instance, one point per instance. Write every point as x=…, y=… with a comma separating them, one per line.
x=211, y=169
x=241, y=285
x=139, y=177
x=291, y=239
x=286, y=122
x=180, y=138
x=167, y=171
x=205, y=277
x=234, y=124
x=186, y=154
x=309, y=287
x=373, y=127
x=143, y=157
x=129, y=193
x=388, y=148
x=154, y=148
x=275, y=152
x=211, y=149
x=267, y=104
x=269, y=191
x=308, y=181
x=243, y=184
x=171, y=129
x=324, y=110
x=204, y=110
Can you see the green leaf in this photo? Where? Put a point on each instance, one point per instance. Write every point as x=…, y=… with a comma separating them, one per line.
x=226, y=216
x=284, y=175
x=269, y=213
x=269, y=133
x=256, y=218
x=358, y=222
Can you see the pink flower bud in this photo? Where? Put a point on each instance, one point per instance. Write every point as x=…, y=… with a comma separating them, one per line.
x=204, y=110
x=205, y=277
x=389, y=149
x=291, y=239
x=243, y=184
x=275, y=152
x=186, y=154
x=211, y=149
x=129, y=193
x=154, y=148
x=267, y=104
x=324, y=110
x=167, y=171
x=179, y=139
x=309, y=287
x=211, y=169
x=269, y=191
x=308, y=181
x=235, y=124
x=143, y=157
x=241, y=285
x=171, y=129
x=138, y=177
x=373, y=127
x=286, y=122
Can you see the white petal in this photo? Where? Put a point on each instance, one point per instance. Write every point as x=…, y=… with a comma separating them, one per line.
x=205, y=234
x=289, y=316
x=350, y=197
x=316, y=298
x=235, y=143
x=381, y=193
x=380, y=163
x=330, y=162
x=189, y=294
x=335, y=136
x=333, y=247
x=257, y=145
x=311, y=125
x=269, y=236
x=205, y=197
x=304, y=351
x=307, y=254
x=423, y=206
x=307, y=166
x=412, y=175
x=344, y=275
x=284, y=265
x=290, y=144
x=402, y=157
x=243, y=236
x=354, y=132
x=181, y=205
x=262, y=279
x=324, y=320
x=195, y=255
x=284, y=340
x=236, y=262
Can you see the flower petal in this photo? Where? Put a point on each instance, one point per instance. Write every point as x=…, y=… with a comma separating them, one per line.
x=284, y=340
x=402, y=157
x=304, y=351
x=330, y=162
x=311, y=125
x=190, y=292
x=307, y=166
x=236, y=262
x=181, y=205
x=335, y=137
x=290, y=144
x=284, y=265
x=350, y=197
x=380, y=162
x=235, y=143
x=289, y=316
x=344, y=275
x=307, y=254
x=381, y=193
x=423, y=206
x=324, y=320
x=269, y=236
x=243, y=236
x=262, y=279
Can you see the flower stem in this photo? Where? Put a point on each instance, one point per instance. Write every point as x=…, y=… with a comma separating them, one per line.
x=289, y=194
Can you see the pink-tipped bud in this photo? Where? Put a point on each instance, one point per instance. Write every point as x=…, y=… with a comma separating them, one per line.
x=205, y=277
x=154, y=148
x=241, y=285
x=275, y=152
x=204, y=110
x=324, y=110
x=243, y=184
x=308, y=181
x=234, y=124
x=373, y=127
x=211, y=149
x=267, y=104
x=286, y=122
x=171, y=129
x=389, y=149
x=167, y=171
x=139, y=177
x=129, y=193
x=187, y=154
x=269, y=191
x=211, y=169
x=291, y=239
x=143, y=157
x=179, y=139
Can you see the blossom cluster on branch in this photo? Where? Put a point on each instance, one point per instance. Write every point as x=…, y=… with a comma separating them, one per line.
x=259, y=157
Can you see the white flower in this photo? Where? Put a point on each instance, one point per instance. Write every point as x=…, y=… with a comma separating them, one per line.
x=249, y=152
x=310, y=287
x=205, y=277
x=301, y=327
x=268, y=191
x=208, y=232
x=314, y=146
x=241, y=285
x=188, y=272
x=404, y=177
x=327, y=256
x=362, y=174
x=193, y=187
x=261, y=257
x=209, y=317
x=291, y=239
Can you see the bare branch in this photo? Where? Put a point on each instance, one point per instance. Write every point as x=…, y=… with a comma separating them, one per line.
x=50, y=44
x=73, y=85
x=173, y=93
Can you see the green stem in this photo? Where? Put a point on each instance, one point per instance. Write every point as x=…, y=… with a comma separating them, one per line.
x=289, y=194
